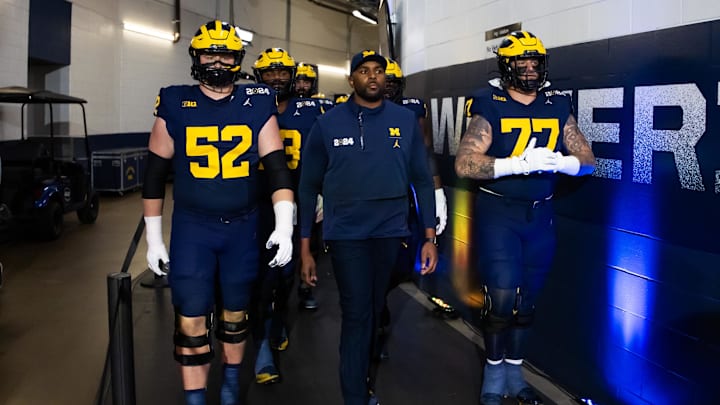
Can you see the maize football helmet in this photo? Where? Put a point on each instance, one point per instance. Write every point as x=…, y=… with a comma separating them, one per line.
x=516, y=46
x=307, y=73
x=216, y=37
x=276, y=59
x=394, y=82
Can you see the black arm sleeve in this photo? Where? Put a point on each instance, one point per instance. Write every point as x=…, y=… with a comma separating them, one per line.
x=156, y=174
x=278, y=174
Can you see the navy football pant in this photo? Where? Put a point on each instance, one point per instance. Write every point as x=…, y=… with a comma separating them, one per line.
x=205, y=250
x=515, y=246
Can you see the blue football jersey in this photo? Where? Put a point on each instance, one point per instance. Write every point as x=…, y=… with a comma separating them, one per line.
x=216, y=149
x=325, y=103
x=513, y=124
x=295, y=124
x=415, y=105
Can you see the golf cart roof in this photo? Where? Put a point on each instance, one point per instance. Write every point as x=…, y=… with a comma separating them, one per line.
x=17, y=94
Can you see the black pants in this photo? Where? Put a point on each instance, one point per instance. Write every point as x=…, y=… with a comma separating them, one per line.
x=362, y=272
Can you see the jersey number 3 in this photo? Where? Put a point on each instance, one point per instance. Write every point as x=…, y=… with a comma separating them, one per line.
x=527, y=126
x=224, y=165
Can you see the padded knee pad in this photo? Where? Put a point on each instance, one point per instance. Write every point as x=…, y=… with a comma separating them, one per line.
x=232, y=327
x=185, y=337
x=524, y=320
x=496, y=324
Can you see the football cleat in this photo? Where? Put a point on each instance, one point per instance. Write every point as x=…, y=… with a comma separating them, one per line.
x=527, y=396
x=267, y=375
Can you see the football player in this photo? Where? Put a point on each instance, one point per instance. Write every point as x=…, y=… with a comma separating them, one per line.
x=520, y=137
x=296, y=115
x=214, y=135
x=394, y=88
x=306, y=85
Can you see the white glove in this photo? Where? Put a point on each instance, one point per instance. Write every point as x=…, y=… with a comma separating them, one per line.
x=509, y=166
x=539, y=159
x=319, y=209
x=156, y=247
x=531, y=160
x=440, y=210
x=282, y=235
x=567, y=164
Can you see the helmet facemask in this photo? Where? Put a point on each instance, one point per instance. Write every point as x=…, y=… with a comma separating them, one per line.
x=283, y=87
x=394, y=82
x=303, y=91
x=521, y=46
x=216, y=73
x=216, y=38
x=394, y=88
x=307, y=73
x=276, y=59
x=515, y=76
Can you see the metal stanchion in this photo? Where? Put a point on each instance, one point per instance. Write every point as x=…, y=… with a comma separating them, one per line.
x=122, y=368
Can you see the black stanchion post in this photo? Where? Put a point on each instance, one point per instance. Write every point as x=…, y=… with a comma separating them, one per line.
x=122, y=368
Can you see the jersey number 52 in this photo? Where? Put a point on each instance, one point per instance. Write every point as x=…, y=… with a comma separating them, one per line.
x=225, y=165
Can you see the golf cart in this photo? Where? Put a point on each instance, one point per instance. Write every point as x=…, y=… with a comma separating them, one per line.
x=43, y=178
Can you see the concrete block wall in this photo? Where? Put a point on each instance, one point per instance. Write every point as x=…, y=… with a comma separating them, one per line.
x=14, y=16
x=120, y=72
x=436, y=34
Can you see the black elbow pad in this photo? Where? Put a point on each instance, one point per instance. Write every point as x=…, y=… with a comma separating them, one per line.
x=278, y=174
x=156, y=174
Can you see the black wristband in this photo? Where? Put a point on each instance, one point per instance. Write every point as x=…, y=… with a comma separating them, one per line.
x=432, y=240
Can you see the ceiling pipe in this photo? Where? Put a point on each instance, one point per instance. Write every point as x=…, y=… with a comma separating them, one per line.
x=176, y=22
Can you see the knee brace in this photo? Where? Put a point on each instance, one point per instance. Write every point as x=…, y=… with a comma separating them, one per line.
x=186, y=336
x=499, y=316
x=523, y=315
x=232, y=327
x=482, y=306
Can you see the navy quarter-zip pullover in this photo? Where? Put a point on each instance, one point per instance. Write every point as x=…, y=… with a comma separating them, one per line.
x=362, y=161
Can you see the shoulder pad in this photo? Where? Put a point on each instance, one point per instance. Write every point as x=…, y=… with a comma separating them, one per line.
x=253, y=89
x=412, y=100
x=305, y=102
x=561, y=93
x=496, y=83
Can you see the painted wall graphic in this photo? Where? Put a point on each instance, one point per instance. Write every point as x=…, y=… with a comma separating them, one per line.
x=631, y=311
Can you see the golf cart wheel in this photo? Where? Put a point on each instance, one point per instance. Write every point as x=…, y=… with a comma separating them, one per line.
x=89, y=213
x=50, y=221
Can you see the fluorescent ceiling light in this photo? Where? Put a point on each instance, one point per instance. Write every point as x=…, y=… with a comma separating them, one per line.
x=245, y=35
x=359, y=14
x=333, y=69
x=141, y=29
